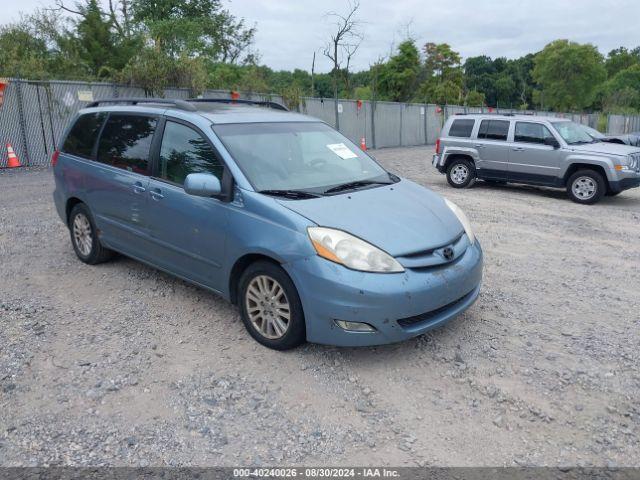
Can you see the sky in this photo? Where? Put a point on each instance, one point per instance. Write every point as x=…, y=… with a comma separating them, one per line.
x=289, y=31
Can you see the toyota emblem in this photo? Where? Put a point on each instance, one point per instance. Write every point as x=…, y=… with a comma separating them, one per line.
x=448, y=253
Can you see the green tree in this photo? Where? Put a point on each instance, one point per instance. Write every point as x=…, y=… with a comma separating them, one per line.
x=569, y=74
x=442, y=62
x=193, y=28
x=95, y=39
x=622, y=92
x=475, y=99
x=22, y=53
x=620, y=59
x=398, y=77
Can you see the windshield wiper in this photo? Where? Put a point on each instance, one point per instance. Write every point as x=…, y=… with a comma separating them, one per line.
x=356, y=184
x=293, y=194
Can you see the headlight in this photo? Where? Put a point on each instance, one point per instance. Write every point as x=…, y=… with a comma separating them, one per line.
x=627, y=163
x=631, y=162
x=463, y=220
x=350, y=251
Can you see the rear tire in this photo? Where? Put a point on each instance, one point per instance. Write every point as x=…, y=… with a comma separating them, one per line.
x=84, y=239
x=461, y=173
x=586, y=187
x=270, y=306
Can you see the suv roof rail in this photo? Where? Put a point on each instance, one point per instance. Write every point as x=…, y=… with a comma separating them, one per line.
x=181, y=104
x=264, y=103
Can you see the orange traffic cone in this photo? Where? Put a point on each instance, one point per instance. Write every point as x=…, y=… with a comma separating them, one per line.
x=363, y=144
x=12, y=161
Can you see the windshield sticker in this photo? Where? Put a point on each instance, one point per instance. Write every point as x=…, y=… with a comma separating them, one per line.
x=342, y=150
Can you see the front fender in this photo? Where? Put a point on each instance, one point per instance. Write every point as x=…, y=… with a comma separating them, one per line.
x=586, y=159
x=261, y=226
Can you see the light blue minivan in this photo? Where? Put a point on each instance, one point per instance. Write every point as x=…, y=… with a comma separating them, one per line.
x=275, y=211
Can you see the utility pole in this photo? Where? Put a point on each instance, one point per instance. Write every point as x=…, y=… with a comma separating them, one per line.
x=313, y=68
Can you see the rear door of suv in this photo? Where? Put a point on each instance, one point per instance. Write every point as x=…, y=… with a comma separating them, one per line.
x=118, y=183
x=493, y=149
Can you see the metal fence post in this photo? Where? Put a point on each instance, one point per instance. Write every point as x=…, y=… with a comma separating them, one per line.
x=372, y=105
x=426, y=126
x=23, y=125
x=400, y=129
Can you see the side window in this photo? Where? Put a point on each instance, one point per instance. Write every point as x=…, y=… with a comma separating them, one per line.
x=494, y=129
x=83, y=135
x=125, y=142
x=531, y=132
x=185, y=151
x=461, y=128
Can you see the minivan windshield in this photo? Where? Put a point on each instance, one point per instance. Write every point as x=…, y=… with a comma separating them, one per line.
x=295, y=157
x=572, y=133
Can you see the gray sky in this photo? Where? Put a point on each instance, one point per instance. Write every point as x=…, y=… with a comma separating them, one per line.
x=290, y=30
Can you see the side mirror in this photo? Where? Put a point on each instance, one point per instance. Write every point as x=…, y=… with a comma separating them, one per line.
x=202, y=185
x=552, y=142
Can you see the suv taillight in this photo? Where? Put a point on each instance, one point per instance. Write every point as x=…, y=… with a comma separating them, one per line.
x=438, y=146
x=54, y=158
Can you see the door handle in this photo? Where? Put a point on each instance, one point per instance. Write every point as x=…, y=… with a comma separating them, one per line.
x=479, y=146
x=138, y=188
x=156, y=194
x=518, y=149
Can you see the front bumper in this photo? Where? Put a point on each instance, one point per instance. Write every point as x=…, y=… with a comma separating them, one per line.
x=625, y=181
x=399, y=306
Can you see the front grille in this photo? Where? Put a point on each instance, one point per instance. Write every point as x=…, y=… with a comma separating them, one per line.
x=425, y=317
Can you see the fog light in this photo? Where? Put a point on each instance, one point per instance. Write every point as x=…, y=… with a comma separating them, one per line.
x=355, y=326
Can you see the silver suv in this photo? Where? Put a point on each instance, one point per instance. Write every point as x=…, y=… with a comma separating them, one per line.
x=546, y=151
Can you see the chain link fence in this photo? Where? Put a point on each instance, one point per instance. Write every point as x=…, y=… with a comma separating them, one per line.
x=35, y=114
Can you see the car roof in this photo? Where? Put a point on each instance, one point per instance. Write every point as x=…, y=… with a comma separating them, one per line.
x=215, y=112
x=510, y=116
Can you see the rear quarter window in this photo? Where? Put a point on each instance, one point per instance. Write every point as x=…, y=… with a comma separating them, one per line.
x=83, y=135
x=461, y=128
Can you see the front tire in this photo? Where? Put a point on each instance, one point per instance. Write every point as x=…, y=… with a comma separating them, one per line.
x=85, y=242
x=461, y=173
x=270, y=306
x=586, y=187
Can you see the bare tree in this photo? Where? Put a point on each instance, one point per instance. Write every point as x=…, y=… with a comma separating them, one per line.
x=343, y=45
x=120, y=15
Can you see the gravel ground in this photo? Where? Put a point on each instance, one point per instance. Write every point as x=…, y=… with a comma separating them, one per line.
x=120, y=364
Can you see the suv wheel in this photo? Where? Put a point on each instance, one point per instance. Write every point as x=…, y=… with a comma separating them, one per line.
x=270, y=306
x=83, y=236
x=461, y=173
x=586, y=187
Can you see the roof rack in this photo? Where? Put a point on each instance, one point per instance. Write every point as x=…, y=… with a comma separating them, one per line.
x=274, y=105
x=181, y=104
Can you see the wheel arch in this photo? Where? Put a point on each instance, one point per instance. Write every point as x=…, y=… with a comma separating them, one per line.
x=458, y=155
x=574, y=167
x=71, y=202
x=240, y=265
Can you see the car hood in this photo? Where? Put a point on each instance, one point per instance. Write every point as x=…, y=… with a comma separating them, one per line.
x=400, y=219
x=605, y=148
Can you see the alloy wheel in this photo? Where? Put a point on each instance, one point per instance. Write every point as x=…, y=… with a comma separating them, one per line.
x=82, y=234
x=459, y=174
x=268, y=307
x=584, y=188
